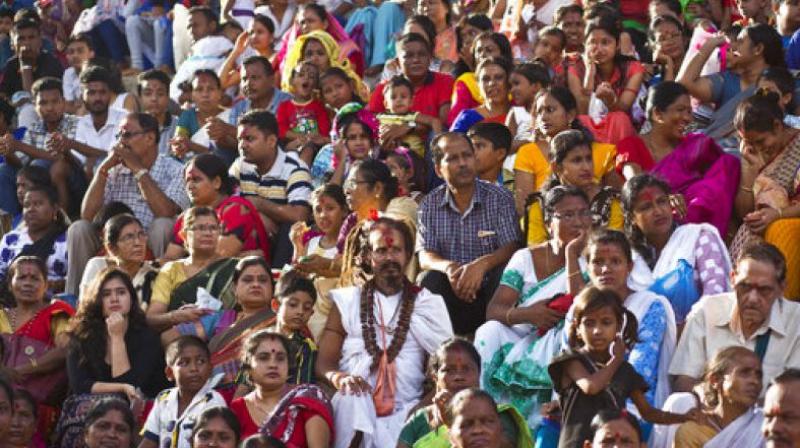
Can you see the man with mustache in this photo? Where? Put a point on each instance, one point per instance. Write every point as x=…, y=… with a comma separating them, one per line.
x=467, y=231
x=755, y=316
x=376, y=339
x=782, y=411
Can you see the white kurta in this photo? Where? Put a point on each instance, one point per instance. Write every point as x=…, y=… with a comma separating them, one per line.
x=430, y=326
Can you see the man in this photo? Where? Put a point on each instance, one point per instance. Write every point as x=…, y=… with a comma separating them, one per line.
x=31, y=61
x=208, y=48
x=43, y=144
x=782, y=411
x=350, y=350
x=431, y=89
x=153, y=89
x=755, y=316
x=96, y=130
x=467, y=232
x=134, y=173
x=276, y=182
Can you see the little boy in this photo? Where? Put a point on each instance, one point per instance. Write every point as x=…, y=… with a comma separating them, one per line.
x=398, y=96
x=295, y=296
x=550, y=46
x=153, y=89
x=176, y=410
x=79, y=50
x=303, y=122
x=491, y=142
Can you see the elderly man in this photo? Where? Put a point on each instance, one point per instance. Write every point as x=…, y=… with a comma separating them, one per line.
x=135, y=174
x=782, y=411
x=467, y=232
x=387, y=352
x=755, y=316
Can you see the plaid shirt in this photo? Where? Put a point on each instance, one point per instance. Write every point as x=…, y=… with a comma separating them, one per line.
x=167, y=174
x=37, y=134
x=489, y=223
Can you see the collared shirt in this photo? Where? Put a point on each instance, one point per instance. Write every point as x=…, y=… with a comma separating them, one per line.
x=489, y=223
x=243, y=106
x=428, y=98
x=37, y=134
x=167, y=173
x=102, y=138
x=713, y=325
x=286, y=182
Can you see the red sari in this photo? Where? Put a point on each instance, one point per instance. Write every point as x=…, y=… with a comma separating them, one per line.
x=39, y=327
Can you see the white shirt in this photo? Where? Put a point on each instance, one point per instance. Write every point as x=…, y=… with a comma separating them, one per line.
x=71, y=84
x=101, y=139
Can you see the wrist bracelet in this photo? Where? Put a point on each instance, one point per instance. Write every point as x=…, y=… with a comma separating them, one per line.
x=574, y=274
x=508, y=315
x=780, y=213
x=746, y=190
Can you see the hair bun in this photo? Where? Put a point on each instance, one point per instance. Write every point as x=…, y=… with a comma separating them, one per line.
x=768, y=94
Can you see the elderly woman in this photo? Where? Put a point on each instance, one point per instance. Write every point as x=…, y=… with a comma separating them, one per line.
x=475, y=405
x=38, y=325
x=43, y=235
x=125, y=242
x=493, y=82
x=522, y=331
x=242, y=231
x=176, y=286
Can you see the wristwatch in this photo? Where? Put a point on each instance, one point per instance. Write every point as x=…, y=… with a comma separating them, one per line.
x=138, y=175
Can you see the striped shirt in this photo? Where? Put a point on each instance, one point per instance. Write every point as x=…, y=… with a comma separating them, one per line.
x=286, y=183
x=489, y=223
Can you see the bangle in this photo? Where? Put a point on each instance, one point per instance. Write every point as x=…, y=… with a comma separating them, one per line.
x=780, y=213
x=746, y=190
x=331, y=266
x=574, y=274
x=508, y=315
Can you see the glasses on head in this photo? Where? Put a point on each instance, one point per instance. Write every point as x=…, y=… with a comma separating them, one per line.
x=131, y=237
x=128, y=134
x=571, y=216
x=211, y=228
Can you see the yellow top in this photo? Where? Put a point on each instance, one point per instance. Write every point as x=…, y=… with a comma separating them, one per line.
x=58, y=323
x=537, y=231
x=531, y=160
x=693, y=435
x=169, y=277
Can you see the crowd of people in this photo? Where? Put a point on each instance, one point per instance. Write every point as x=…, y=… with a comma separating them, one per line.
x=399, y=223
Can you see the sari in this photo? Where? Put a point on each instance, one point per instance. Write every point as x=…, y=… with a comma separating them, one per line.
x=440, y=437
x=514, y=359
x=778, y=186
x=216, y=278
x=698, y=169
x=287, y=421
x=466, y=95
x=468, y=117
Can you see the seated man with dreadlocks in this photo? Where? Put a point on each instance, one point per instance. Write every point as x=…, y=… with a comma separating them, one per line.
x=375, y=341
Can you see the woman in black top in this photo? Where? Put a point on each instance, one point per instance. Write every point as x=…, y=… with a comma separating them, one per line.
x=112, y=348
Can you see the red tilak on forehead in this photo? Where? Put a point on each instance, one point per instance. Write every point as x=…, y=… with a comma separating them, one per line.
x=648, y=194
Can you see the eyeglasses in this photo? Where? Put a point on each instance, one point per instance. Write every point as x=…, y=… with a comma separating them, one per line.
x=128, y=134
x=352, y=184
x=571, y=216
x=131, y=237
x=213, y=228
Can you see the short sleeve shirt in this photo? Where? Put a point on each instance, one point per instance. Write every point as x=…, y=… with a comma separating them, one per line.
x=286, y=183
x=46, y=65
x=428, y=98
x=724, y=86
x=531, y=160
x=166, y=428
x=37, y=134
x=102, y=138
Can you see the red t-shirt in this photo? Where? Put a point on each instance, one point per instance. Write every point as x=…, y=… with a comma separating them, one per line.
x=428, y=98
x=303, y=118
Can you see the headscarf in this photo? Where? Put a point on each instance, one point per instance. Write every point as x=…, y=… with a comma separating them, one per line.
x=336, y=57
x=362, y=114
x=334, y=30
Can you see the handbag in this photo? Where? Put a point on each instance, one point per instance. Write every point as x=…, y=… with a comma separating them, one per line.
x=48, y=388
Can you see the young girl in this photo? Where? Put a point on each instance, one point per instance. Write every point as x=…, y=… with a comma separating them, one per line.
x=594, y=375
x=409, y=170
x=526, y=80
x=191, y=136
x=303, y=121
x=337, y=89
x=330, y=209
x=354, y=140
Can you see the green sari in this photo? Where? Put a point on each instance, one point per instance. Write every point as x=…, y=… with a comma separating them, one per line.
x=216, y=278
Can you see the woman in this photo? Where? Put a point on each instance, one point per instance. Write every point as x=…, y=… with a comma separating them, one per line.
x=439, y=12
x=572, y=164
x=217, y=427
x=110, y=422
x=454, y=367
x=692, y=164
x=112, y=349
x=257, y=40
x=44, y=235
x=466, y=93
x=27, y=177
x=226, y=330
x=313, y=17
x=321, y=49
x=34, y=330
x=606, y=79
x=176, y=286
x=242, y=231
x=522, y=332
x=299, y=415
x=23, y=431
x=610, y=259
x=679, y=262
x=493, y=82
x=555, y=110
x=125, y=242
x=470, y=406
x=668, y=41
x=766, y=200
x=731, y=385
